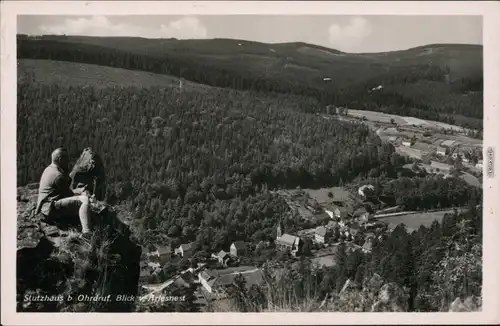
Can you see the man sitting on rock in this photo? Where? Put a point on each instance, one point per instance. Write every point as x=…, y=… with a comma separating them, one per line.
x=55, y=197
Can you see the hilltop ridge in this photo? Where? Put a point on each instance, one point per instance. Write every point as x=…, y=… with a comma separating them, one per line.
x=435, y=82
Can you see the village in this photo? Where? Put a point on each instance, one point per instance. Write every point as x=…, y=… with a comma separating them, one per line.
x=436, y=147
x=335, y=215
x=339, y=216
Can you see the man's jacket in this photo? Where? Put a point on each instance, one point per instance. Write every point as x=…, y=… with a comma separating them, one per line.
x=54, y=185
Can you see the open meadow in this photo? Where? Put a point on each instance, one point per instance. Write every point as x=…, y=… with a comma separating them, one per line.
x=52, y=72
x=414, y=220
x=401, y=120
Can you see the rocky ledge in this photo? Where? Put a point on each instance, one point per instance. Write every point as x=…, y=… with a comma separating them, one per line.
x=58, y=271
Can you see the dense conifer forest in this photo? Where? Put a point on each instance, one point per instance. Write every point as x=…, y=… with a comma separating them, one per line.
x=411, y=87
x=186, y=160
x=198, y=165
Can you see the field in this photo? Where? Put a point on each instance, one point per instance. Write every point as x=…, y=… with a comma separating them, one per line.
x=432, y=168
x=327, y=261
x=444, y=169
x=411, y=152
x=471, y=180
x=325, y=257
x=401, y=120
x=82, y=74
x=321, y=195
x=414, y=221
x=377, y=116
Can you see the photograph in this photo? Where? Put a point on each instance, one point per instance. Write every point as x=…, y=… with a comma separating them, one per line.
x=248, y=163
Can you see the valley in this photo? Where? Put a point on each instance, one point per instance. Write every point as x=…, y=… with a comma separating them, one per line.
x=248, y=172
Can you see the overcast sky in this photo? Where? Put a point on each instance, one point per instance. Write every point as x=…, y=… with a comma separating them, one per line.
x=345, y=33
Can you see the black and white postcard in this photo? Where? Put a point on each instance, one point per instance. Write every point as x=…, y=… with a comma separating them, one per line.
x=249, y=162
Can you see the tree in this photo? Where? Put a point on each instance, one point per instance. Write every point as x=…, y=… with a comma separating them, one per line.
x=184, y=264
x=306, y=248
x=174, y=231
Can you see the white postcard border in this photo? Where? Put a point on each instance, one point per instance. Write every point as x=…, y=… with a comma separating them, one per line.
x=490, y=11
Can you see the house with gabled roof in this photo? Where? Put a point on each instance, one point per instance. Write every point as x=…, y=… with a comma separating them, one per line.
x=161, y=254
x=185, y=250
x=343, y=212
x=441, y=151
x=363, y=189
x=223, y=257
x=185, y=279
x=287, y=241
x=207, y=279
x=238, y=248
x=406, y=142
x=144, y=276
x=322, y=235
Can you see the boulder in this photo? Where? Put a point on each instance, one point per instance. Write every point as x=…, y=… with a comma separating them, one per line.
x=391, y=298
x=58, y=271
x=470, y=303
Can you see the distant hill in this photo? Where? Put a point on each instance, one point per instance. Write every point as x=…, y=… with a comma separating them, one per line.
x=434, y=81
x=84, y=74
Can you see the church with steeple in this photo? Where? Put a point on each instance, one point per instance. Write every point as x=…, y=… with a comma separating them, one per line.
x=286, y=241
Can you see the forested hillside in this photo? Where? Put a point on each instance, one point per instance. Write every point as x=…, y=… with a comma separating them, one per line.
x=436, y=82
x=194, y=165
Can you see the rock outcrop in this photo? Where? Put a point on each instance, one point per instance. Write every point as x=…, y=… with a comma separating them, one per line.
x=59, y=271
x=374, y=296
x=471, y=303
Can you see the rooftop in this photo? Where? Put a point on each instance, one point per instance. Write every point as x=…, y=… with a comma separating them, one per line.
x=239, y=244
x=188, y=277
x=206, y=275
x=164, y=250
x=321, y=231
x=448, y=143
x=439, y=148
x=287, y=239
x=186, y=246
x=222, y=254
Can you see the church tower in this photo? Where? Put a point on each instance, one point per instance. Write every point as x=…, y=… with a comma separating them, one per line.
x=279, y=230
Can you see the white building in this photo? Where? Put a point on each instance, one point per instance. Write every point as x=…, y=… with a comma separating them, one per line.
x=362, y=189
x=441, y=151
x=322, y=235
x=184, y=250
